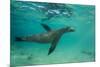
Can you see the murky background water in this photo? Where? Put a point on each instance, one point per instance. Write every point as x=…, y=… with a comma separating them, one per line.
x=78, y=46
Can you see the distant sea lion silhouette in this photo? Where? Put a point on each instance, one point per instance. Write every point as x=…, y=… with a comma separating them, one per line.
x=51, y=36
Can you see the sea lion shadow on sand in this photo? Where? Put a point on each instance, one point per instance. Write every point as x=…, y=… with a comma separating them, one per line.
x=51, y=36
x=89, y=53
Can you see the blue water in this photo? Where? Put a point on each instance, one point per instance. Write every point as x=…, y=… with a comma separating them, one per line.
x=78, y=46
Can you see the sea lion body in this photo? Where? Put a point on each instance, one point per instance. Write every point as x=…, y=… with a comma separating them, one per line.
x=51, y=36
x=40, y=38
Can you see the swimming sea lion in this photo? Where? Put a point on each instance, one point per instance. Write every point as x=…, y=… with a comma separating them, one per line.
x=51, y=36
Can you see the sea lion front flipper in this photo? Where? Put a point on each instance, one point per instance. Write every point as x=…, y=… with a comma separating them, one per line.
x=46, y=27
x=53, y=45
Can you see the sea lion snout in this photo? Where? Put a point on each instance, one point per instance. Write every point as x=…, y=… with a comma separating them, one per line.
x=70, y=29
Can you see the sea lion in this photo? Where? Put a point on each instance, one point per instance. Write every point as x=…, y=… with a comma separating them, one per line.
x=51, y=36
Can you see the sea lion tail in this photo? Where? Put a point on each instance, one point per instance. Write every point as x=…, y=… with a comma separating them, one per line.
x=19, y=39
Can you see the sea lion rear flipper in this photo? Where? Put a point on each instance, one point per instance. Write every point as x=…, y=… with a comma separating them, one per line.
x=47, y=28
x=53, y=45
x=19, y=39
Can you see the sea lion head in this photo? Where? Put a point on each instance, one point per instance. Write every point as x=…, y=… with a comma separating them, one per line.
x=69, y=29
